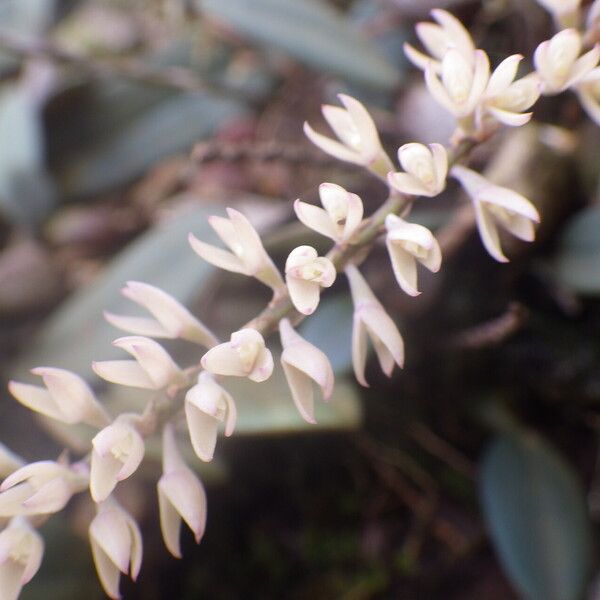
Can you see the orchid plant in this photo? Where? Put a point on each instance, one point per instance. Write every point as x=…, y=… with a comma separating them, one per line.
x=459, y=78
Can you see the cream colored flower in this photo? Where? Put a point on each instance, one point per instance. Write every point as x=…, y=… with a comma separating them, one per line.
x=371, y=320
x=495, y=205
x=339, y=219
x=181, y=496
x=246, y=254
x=116, y=544
x=152, y=369
x=462, y=83
x=170, y=318
x=304, y=364
x=305, y=274
x=426, y=169
x=438, y=39
x=117, y=452
x=359, y=141
x=505, y=99
x=66, y=397
x=40, y=488
x=588, y=91
x=207, y=405
x=408, y=243
x=558, y=63
x=245, y=355
x=21, y=551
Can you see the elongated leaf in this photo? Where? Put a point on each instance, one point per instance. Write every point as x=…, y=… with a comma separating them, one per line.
x=310, y=31
x=537, y=517
x=577, y=263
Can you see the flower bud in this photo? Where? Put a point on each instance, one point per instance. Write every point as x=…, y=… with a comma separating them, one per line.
x=462, y=83
x=371, y=320
x=21, y=551
x=438, y=39
x=207, y=405
x=116, y=544
x=495, y=205
x=245, y=355
x=426, y=170
x=558, y=63
x=152, y=369
x=341, y=216
x=171, y=319
x=66, y=398
x=40, y=488
x=304, y=364
x=306, y=273
x=247, y=254
x=181, y=496
x=408, y=243
x=117, y=452
x=358, y=138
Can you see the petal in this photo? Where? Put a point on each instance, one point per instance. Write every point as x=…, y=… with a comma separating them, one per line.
x=135, y=562
x=11, y=573
x=332, y=147
x=510, y=200
x=110, y=533
x=203, y=432
x=217, y=257
x=369, y=137
x=354, y=216
x=504, y=74
x=139, y=326
x=103, y=475
x=311, y=361
x=440, y=161
x=254, y=254
x=583, y=66
x=49, y=498
x=590, y=104
x=405, y=268
x=382, y=327
x=512, y=119
x=434, y=38
x=455, y=31
x=124, y=372
x=488, y=232
x=223, y=360
x=419, y=59
x=407, y=184
x=481, y=77
x=301, y=387
x=263, y=366
x=342, y=124
x=359, y=349
x=304, y=294
x=37, y=399
x=11, y=500
x=170, y=522
x=300, y=256
x=108, y=573
x=438, y=91
x=315, y=218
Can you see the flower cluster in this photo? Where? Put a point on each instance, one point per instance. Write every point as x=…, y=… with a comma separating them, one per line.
x=481, y=99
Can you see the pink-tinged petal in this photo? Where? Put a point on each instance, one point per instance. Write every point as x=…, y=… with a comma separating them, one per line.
x=225, y=229
x=41, y=470
x=108, y=573
x=504, y=74
x=438, y=91
x=301, y=387
x=407, y=184
x=519, y=226
x=222, y=360
x=110, y=532
x=254, y=254
x=203, y=432
x=342, y=124
x=331, y=147
x=583, y=66
x=510, y=200
x=433, y=37
x=481, y=77
x=488, y=232
x=139, y=326
x=354, y=216
x=300, y=256
x=400, y=230
x=263, y=366
x=440, y=161
x=11, y=574
x=419, y=59
x=137, y=548
x=170, y=522
x=123, y=372
x=315, y=218
x=369, y=138
x=304, y=294
x=103, y=475
x=359, y=349
x=231, y=415
x=35, y=398
x=512, y=119
x=49, y=498
x=455, y=30
x=405, y=268
x=11, y=500
x=217, y=257
x=381, y=326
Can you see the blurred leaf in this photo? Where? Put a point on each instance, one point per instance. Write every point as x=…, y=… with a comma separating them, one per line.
x=537, y=516
x=170, y=127
x=577, y=262
x=311, y=31
x=330, y=329
x=76, y=334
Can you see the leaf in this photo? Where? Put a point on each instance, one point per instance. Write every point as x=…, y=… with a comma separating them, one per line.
x=310, y=31
x=577, y=261
x=537, y=517
x=172, y=126
x=76, y=334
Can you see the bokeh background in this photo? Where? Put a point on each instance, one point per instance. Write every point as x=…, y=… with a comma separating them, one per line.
x=471, y=474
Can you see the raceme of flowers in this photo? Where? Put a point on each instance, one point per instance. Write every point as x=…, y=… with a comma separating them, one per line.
x=459, y=77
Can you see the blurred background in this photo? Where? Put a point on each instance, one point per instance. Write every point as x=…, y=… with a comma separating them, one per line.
x=471, y=474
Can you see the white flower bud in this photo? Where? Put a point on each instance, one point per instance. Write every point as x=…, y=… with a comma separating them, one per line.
x=207, y=405
x=495, y=205
x=304, y=364
x=171, y=319
x=181, y=496
x=246, y=255
x=359, y=141
x=40, y=488
x=462, y=84
x=117, y=452
x=152, y=369
x=408, y=243
x=245, y=355
x=506, y=99
x=306, y=273
x=558, y=63
x=426, y=170
x=438, y=39
x=66, y=398
x=116, y=544
x=371, y=320
x=21, y=551
x=341, y=216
